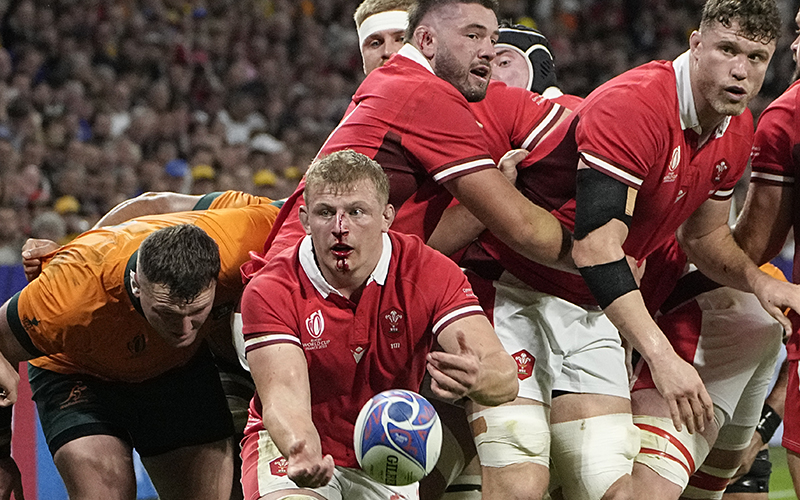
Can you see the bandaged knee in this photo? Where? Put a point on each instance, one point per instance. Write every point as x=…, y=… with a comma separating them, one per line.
x=507, y=435
x=591, y=454
x=671, y=454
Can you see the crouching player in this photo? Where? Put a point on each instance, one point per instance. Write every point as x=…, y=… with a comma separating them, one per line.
x=351, y=310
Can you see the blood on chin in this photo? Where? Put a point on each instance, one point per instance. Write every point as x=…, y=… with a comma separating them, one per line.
x=342, y=264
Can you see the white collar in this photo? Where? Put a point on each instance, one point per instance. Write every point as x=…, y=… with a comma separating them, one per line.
x=413, y=53
x=309, y=265
x=688, y=111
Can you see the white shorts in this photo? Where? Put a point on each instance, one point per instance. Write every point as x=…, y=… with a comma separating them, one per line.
x=264, y=471
x=732, y=342
x=557, y=345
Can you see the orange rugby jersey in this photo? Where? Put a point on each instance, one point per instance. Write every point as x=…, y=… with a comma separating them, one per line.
x=80, y=311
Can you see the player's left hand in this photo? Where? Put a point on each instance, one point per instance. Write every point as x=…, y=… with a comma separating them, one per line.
x=307, y=468
x=453, y=375
x=775, y=296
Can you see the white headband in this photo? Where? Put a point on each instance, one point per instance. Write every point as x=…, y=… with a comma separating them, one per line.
x=389, y=20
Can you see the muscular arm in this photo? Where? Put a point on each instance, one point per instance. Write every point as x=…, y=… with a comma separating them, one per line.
x=764, y=223
x=148, y=204
x=281, y=376
x=528, y=229
x=458, y=227
x=473, y=364
x=676, y=380
x=708, y=243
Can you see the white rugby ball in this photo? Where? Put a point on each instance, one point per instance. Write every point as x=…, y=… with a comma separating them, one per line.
x=398, y=437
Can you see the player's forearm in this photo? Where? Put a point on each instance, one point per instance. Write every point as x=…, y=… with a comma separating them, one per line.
x=456, y=229
x=497, y=381
x=765, y=220
x=288, y=425
x=147, y=204
x=717, y=255
x=629, y=314
x=530, y=230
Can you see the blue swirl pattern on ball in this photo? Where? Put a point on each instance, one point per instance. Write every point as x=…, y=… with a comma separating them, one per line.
x=400, y=420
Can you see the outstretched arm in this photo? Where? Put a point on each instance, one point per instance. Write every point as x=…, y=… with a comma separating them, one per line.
x=708, y=242
x=281, y=376
x=148, y=204
x=473, y=364
x=765, y=220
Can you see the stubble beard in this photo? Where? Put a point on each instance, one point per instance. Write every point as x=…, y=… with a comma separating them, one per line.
x=448, y=70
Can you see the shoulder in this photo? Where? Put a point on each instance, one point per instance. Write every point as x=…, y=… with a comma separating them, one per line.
x=651, y=86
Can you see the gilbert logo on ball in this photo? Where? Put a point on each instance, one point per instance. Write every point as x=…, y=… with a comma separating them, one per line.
x=397, y=437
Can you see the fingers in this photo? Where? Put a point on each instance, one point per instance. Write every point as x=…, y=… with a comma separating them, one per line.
x=445, y=387
x=708, y=404
x=675, y=413
x=687, y=414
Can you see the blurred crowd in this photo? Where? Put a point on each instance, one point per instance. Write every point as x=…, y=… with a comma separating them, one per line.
x=101, y=100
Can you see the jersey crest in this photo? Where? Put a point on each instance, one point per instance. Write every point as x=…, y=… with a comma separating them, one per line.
x=393, y=323
x=719, y=172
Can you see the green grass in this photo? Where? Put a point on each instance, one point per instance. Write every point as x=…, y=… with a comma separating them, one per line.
x=780, y=483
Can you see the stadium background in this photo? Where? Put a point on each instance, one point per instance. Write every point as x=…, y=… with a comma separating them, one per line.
x=101, y=100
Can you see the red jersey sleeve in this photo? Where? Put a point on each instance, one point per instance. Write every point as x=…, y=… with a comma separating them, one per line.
x=776, y=136
x=621, y=134
x=446, y=287
x=533, y=116
x=268, y=313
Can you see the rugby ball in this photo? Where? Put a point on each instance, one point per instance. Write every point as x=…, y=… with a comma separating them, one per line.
x=398, y=437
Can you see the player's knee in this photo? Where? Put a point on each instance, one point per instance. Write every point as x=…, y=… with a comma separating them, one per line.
x=593, y=454
x=671, y=454
x=507, y=435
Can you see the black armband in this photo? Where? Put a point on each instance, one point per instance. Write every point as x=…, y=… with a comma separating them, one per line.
x=768, y=424
x=609, y=281
x=599, y=199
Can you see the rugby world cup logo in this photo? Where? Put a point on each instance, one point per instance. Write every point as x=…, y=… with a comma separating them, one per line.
x=315, y=324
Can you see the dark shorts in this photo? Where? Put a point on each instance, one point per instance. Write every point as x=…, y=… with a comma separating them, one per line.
x=183, y=407
x=757, y=478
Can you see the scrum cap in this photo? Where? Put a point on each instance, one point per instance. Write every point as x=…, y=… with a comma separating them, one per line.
x=536, y=50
